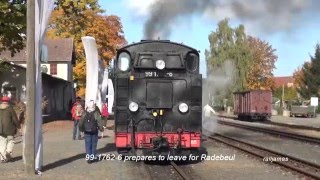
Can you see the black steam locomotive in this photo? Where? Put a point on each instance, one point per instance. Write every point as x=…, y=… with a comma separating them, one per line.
x=158, y=98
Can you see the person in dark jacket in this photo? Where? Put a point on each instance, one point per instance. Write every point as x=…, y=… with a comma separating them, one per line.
x=102, y=121
x=9, y=124
x=20, y=109
x=90, y=124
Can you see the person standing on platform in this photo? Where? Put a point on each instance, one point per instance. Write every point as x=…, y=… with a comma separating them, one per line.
x=104, y=116
x=76, y=111
x=9, y=124
x=90, y=124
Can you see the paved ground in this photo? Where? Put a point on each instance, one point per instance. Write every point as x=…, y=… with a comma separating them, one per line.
x=64, y=159
x=313, y=122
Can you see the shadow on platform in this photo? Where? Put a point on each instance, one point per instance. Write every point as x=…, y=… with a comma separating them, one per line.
x=108, y=148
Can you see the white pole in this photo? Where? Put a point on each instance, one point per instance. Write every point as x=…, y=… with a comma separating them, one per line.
x=43, y=9
x=283, y=97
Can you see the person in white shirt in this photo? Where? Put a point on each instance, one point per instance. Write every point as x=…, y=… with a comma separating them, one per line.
x=208, y=110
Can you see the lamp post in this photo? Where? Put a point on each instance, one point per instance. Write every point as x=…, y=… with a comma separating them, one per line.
x=29, y=139
x=282, y=97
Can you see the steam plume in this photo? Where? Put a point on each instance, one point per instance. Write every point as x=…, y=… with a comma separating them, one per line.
x=267, y=16
x=216, y=84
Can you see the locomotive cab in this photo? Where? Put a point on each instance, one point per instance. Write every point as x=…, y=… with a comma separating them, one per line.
x=158, y=98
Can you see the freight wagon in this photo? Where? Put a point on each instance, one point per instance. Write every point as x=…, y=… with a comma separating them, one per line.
x=306, y=111
x=253, y=104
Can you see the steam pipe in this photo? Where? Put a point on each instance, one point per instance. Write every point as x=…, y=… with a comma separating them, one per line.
x=132, y=136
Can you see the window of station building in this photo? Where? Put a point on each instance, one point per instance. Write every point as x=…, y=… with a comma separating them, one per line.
x=53, y=69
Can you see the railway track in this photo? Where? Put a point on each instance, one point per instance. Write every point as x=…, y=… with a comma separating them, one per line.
x=293, y=126
x=273, y=132
x=154, y=172
x=180, y=171
x=301, y=166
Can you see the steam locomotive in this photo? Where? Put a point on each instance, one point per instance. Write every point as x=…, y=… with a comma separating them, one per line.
x=158, y=98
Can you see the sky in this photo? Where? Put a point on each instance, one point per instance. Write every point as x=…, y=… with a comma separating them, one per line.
x=292, y=26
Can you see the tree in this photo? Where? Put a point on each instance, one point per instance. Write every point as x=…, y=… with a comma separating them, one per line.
x=307, y=77
x=82, y=18
x=13, y=25
x=298, y=76
x=3, y=66
x=290, y=93
x=260, y=74
x=108, y=33
x=228, y=44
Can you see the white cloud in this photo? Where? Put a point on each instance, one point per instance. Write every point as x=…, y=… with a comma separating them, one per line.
x=141, y=7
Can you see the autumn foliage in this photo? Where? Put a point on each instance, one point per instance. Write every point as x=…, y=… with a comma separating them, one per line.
x=260, y=74
x=252, y=62
x=84, y=18
x=298, y=74
x=307, y=77
x=106, y=30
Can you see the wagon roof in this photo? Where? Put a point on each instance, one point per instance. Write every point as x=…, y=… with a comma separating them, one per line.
x=239, y=92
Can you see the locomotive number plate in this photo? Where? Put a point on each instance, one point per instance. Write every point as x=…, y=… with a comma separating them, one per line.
x=149, y=74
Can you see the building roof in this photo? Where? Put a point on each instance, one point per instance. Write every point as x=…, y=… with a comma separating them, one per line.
x=44, y=75
x=284, y=80
x=58, y=50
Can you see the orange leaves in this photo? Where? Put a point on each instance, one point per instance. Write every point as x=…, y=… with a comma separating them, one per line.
x=80, y=71
x=84, y=19
x=81, y=92
x=260, y=74
x=298, y=76
x=107, y=30
x=300, y=80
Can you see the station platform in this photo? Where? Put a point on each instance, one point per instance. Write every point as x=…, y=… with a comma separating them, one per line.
x=301, y=121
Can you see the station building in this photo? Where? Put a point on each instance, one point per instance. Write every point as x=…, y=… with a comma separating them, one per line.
x=57, y=78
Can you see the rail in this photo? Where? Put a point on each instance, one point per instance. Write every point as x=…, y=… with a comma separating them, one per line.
x=273, y=132
x=179, y=171
x=293, y=163
x=181, y=174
